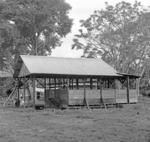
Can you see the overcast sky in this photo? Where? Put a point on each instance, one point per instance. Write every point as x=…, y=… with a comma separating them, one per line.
x=82, y=9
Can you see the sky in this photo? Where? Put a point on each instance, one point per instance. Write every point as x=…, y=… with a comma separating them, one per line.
x=82, y=9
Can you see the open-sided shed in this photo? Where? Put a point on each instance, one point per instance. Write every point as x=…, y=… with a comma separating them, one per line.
x=74, y=81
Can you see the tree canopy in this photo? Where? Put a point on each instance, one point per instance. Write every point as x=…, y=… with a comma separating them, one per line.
x=118, y=34
x=32, y=27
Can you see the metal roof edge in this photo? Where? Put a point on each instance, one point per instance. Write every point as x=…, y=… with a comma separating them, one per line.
x=130, y=75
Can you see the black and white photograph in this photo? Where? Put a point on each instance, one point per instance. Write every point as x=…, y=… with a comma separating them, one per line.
x=74, y=71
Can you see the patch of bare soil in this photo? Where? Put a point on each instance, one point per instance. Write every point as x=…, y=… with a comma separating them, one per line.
x=128, y=124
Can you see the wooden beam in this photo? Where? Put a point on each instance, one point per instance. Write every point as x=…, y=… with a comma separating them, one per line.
x=29, y=92
x=40, y=83
x=85, y=102
x=55, y=87
x=11, y=95
x=64, y=83
x=55, y=83
x=72, y=83
x=49, y=86
x=18, y=90
x=91, y=83
x=77, y=83
x=69, y=85
x=108, y=83
x=116, y=87
x=67, y=82
x=128, y=97
x=34, y=91
x=45, y=85
x=97, y=83
x=101, y=93
x=24, y=93
x=137, y=86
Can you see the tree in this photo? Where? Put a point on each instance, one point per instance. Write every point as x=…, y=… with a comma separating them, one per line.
x=30, y=27
x=118, y=34
x=34, y=26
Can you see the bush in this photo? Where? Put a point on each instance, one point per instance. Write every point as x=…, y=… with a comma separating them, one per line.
x=145, y=91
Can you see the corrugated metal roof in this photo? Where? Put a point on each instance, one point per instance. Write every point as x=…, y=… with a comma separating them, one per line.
x=64, y=66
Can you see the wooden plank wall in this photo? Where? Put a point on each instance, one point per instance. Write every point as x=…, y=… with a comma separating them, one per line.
x=133, y=93
x=56, y=97
x=76, y=97
x=109, y=96
x=62, y=94
x=121, y=96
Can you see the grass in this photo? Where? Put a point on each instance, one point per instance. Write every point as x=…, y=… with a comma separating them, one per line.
x=131, y=123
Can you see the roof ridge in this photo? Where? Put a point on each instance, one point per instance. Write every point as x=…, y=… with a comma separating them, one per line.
x=60, y=57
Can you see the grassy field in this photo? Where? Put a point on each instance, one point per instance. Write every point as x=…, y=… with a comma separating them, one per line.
x=128, y=124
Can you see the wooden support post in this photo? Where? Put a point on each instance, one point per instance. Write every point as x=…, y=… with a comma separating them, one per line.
x=97, y=84
x=18, y=91
x=29, y=92
x=45, y=87
x=55, y=83
x=63, y=83
x=69, y=83
x=85, y=102
x=24, y=93
x=55, y=87
x=101, y=93
x=116, y=90
x=77, y=83
x=34, y=91
x=45, y=83
x=84, y=87
x=128, y=97
x=137, y=86
x=58, y=82
x=108, y=83
x=91, y=83
x=72, y=83
x=49, y=86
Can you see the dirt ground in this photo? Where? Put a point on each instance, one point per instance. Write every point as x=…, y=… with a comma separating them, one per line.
x=128, y=124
